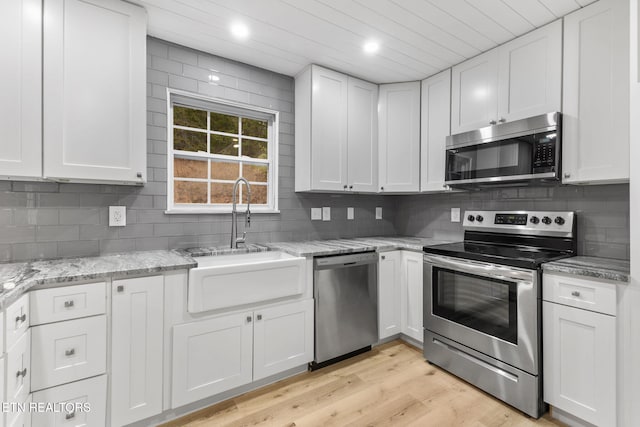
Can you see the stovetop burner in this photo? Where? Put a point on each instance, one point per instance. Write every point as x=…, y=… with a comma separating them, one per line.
x=518, y=239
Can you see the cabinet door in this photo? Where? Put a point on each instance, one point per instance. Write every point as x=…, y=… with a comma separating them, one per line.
x=20, y=418
x=474, y=98
x=596, y=94
x=399, y=137
x=328, y=130
x=411, y=279
x=94, y=91
x=18, y=319
x=362, y=136
x=137, y=346
x=21, y=88
x=580, y=362
x=84, y=404
x=435, y=127
x=211, y=356
x=530, y=74
x=282, y=338
x=19, y=369
x=389, y=294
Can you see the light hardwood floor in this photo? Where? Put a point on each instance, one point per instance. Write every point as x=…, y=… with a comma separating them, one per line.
x=390, y=386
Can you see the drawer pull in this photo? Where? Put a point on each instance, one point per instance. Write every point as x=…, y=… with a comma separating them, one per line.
x=70, y=415
x=120, y=288
x=259, y=316
x=248, y=319
x=70, y=352
x=21, y=318
x=69, y=304
x=22, y=373
x=575, y=293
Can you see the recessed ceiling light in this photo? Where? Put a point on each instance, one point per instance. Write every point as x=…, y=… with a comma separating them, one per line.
x=239, y=30
x=371, y=47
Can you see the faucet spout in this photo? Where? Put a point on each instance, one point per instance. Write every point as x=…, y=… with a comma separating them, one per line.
x=234, y=214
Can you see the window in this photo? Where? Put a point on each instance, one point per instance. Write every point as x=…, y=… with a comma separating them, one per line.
x=211, y=144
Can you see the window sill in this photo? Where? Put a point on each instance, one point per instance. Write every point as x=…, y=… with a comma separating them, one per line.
x=240, y=210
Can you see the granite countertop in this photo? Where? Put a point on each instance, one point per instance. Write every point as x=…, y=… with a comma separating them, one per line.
x=347, y=246
x=601, y=268
x=19, y=277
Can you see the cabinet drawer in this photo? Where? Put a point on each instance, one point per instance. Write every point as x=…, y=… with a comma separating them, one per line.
x=68, y=351
x=68, y=302
x=18, y=375
x=17, y=320
x=84, y=404
x=594, y=295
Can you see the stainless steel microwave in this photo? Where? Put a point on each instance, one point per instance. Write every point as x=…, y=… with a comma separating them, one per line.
x=518, y=151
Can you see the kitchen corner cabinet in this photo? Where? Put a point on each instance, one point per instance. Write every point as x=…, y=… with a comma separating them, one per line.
x=21, y=88
x=411, y=294
x=335, y=132
x=389, y=294
x=519, y=79
x=595, y=118
x=399, y=137
x=136, y=349
x=434, y=128
x=94, y=91
x=579, y=344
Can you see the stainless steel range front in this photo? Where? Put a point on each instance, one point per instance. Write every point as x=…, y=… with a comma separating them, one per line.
x=482, y=301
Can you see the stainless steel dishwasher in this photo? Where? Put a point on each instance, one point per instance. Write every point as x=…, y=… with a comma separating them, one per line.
x=346, y=303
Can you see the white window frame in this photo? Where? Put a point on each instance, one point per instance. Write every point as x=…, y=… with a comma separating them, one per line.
x=224, y=106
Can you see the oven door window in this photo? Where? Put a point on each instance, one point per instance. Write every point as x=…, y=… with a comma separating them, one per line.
x=485, y=304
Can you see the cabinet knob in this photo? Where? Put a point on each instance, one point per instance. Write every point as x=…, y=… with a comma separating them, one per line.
x=69, y=304
x=70, y=415
x=120, y=288
x=502, y=120
x=575, y=293
x=70, y=352
x=139, y=175
x=248, y=319
x=345, y=186
x=21, y=319
x=259, y=317
x=567, y=175
x=383, y=257
x=381, y=188
x=493, y=122
x=22, y=373
x=351, y=187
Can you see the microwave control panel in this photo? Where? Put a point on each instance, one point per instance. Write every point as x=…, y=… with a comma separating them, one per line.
x=544, y=154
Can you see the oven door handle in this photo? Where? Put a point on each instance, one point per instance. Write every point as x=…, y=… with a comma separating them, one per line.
x=483, y=269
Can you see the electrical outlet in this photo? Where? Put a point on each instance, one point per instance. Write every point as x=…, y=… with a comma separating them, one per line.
x=349, y=213
x=378, y=213
x=316, y=214
x=455, y=214
x=326, y=213
x=117, y=216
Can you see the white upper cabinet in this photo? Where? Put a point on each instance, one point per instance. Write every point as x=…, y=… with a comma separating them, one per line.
x=596, y=94
x=94, y=90
x=434, y=128
x=519, y=79
x=399, y=137
x=336, y=132
x=362, y=136
x=21, y=88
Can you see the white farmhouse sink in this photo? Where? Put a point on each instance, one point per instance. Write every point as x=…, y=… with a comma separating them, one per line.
x=225, y=281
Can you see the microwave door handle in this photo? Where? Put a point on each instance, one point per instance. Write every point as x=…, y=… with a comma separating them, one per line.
x=481, y=269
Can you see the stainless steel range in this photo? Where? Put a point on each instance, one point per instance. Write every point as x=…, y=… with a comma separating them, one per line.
x=482, y=301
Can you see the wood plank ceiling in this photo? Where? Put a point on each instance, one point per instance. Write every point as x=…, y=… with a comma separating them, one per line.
x=417, y=38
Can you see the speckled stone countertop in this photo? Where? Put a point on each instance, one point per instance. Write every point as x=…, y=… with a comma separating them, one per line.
x=601, y=268
x=222, y=250
x=15, y=279
x=347, y=246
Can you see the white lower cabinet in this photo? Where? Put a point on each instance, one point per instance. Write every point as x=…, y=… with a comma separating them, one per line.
x=81, y=403
x=211, y=356
x=282, y=338
x=136, y=349
x=19, y=369
x=579, y=351
x=411, y=296
x=389, y=293
x=21, y=418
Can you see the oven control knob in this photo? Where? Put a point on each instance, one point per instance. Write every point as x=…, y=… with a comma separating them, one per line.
x=546, y=220
x=534, y=220
x=559, y=220
x=471, y=218
x=479, y=218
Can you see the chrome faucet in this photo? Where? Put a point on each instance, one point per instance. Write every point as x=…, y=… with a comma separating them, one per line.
x=234, y=215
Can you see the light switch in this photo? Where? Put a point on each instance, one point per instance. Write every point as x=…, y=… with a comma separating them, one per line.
x=117, y=216
x=455, y=214
x=379, y=213
x=316, y=214
x=326, y=213
x=349, y=213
